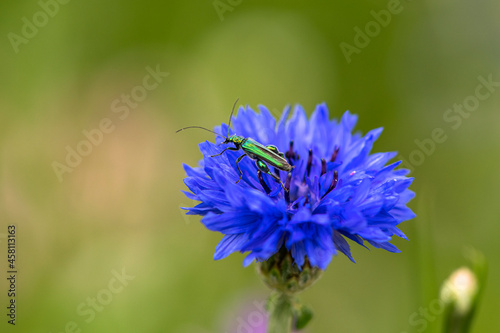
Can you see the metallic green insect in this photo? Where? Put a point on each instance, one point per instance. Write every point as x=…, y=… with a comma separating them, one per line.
x=263, y=155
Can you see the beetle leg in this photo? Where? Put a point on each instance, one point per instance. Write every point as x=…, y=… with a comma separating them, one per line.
x=264, y=168
x=228, y=148
x=274, y=149
x=238, y=161
x=277, y=172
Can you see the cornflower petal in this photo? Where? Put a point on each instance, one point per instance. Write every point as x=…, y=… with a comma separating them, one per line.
x=337, y=191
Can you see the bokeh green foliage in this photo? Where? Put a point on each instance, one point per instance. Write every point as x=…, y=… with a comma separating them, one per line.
x=120, y=207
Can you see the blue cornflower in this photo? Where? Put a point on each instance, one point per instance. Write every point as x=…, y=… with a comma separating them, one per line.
x=337, y=190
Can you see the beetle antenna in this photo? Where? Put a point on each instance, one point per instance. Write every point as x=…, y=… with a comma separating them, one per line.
x=203, y=128
x=231, y=116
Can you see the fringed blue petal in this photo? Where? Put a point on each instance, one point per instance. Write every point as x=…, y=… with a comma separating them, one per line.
x=366, y=200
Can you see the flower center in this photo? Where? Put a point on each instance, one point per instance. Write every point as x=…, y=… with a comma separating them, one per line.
x=301, y=187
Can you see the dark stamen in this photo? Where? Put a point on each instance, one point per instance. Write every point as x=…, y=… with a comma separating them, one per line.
x=309, y=162
x=290, y=154
x=287, y=187
x=262, y=182
x=334, y=155
x=323, y=166
x=333, y=184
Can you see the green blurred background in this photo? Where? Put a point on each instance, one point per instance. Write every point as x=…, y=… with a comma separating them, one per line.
x=119, y=208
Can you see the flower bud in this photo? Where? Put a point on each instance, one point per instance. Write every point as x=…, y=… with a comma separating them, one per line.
x=460, y=290
x=280, y=273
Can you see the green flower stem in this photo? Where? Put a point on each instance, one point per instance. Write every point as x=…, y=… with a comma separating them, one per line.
x=455, y=323
x=280, y=313
x=281, y=274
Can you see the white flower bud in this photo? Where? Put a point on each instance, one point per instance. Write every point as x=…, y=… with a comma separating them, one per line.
x=460, y=289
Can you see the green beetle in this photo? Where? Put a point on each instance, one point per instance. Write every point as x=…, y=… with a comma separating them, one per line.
x=263, y=155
